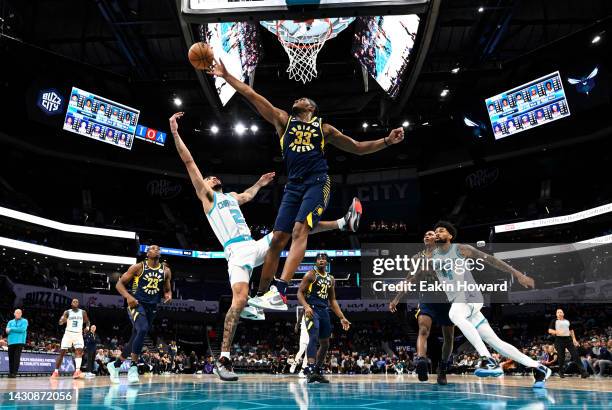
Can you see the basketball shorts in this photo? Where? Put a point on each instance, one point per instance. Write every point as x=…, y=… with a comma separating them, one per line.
x=319, y=326
x=303, y=201
x=471, y=311
x=72, y=339
x=438, y=312
x=243, y=257
x=303, y=333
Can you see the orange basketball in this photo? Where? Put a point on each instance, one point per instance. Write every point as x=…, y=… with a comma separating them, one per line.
x=201, y=56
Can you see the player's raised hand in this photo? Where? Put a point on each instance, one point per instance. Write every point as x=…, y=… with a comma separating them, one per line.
x=265, y=179
x=346, y=325
x=526, y=281
x=174, y=121
x=217, y=69
x=395, y=136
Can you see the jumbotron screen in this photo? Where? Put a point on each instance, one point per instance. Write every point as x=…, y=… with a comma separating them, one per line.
x=383, y=45
x=101, y=119
x=529, y=105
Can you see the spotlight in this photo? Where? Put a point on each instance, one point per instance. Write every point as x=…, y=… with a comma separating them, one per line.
x=444, y=92
x=405, y=124
x=240, y=128
x=455, y=70
x=596, y=39
x=480, y=9
x=214, y=129
x=254, y=128
x=177, y=101
x=364, y=125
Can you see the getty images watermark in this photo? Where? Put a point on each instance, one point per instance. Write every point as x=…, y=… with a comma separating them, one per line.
x=494, y=273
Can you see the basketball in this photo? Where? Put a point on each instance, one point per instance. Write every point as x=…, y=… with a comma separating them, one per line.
x=201, y=56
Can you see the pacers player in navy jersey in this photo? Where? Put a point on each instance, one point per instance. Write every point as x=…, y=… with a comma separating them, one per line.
x=303, y=137
x=427, y=313
x=317, y=295
x=142, y=286
x=241, y=251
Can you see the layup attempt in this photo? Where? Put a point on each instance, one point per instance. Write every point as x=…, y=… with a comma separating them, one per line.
x=303, y=136
x=146, y=281
x=465, y=309
x=317, y=294
x=428, y=313
x=241, y=251
x=74, y=318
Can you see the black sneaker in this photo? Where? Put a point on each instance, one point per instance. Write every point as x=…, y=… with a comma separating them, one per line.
x=353, y=215
x=223, y=369
x=321, y=378
x=585, y=375
x=421, y=369
x=442, y=373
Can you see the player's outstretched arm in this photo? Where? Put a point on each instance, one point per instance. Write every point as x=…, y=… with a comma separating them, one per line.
x=86, y=320
x=64, y=318
x=124, y=280
x=167, y=284
x=204, y=192
x=346, y=143
x=270, y=113
x=250, y=193
x=333, y=303
x=301, y=293
x=410, y=278
x=471, y=252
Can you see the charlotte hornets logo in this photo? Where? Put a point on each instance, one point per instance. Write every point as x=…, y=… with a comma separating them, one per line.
x=152, y=280
x=302, y=136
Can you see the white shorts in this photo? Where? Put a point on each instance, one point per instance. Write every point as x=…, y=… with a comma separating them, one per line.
x=72, y=339
x=243, y=257
x=304, y=337
x=472, y=312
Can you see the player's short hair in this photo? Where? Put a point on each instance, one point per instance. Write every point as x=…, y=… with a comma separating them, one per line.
x=320, y=254
x=448, y=226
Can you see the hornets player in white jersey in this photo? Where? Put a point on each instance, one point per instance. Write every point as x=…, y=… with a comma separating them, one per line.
x=465, y=306
x=73, y=318
x=241, y=251
x=300, y=327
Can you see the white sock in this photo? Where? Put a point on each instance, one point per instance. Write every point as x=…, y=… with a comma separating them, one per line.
x=77, y=363
x=505, y=348
x=458, y=313
x=225, y=354
x=341, y=223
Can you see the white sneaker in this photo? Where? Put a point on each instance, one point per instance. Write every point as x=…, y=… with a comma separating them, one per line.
x=270, y=300
x=113, y=372
x=89, y=375
x=292, y=368
x=252, y=313
x=301, y=374
x=133, y=374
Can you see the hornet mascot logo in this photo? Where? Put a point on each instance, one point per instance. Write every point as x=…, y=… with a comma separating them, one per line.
x=585, y=84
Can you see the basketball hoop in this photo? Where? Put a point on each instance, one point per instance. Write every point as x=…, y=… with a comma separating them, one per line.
x=302, y=41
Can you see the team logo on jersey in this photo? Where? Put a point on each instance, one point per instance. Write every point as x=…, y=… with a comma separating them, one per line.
x=152, y=280
x=316, y=124
x=302, y=135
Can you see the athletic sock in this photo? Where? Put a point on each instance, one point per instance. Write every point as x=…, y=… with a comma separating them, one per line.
x=225, y=354
x=281, y=286
x=260, y=293
x=77, y=362
x=341, y=223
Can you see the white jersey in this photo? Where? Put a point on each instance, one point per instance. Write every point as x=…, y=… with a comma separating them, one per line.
x=227, y=221
x=75, y=321
x=452, y=274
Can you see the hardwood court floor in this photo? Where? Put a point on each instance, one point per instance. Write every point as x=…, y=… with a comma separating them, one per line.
x=289, y=392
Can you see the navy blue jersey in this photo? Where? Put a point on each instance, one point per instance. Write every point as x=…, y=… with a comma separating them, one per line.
x=303, y=145
x=148, y=286
x=318, y=291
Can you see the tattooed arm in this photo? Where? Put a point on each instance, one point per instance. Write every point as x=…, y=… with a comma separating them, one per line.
x=471, y=252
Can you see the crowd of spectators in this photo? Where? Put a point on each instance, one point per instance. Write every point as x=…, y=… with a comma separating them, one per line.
x=385, y=226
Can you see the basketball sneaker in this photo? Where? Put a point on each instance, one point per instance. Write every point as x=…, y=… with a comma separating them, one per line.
x=541, y=374
x=489, y=367
x=353, y=215
x=113, y=372
x=272, y=299
x=55, y=374
x=223, y=369
x=301, y=374
x=133, y=374
x=252, y=313
x=442, y=368
x=421, y=369
x=77, y=374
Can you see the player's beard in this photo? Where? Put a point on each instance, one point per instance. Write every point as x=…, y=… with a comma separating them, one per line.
x=295, y=110
x=218, y=188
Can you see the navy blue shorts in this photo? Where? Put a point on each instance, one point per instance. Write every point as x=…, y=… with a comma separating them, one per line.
x=143, y=311
x=319, y=326
x=438, y=312
x=303, y=201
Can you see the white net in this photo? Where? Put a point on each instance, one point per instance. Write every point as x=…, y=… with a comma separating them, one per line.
x=302, y=47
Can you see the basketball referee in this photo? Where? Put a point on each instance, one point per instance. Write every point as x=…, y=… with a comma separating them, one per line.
x=565, y=338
